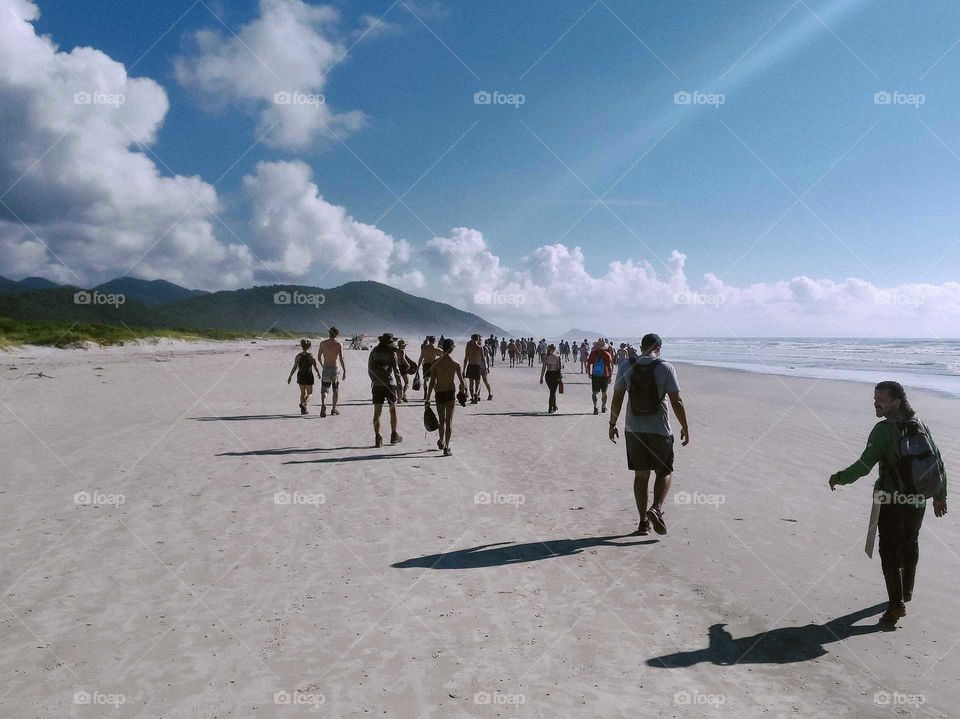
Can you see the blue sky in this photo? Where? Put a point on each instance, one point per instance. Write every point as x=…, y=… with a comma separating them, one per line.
x=595, y=99
x=798, y=173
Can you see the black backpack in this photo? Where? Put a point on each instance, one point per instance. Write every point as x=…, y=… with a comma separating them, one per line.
x=645, y=397
x=918, y=466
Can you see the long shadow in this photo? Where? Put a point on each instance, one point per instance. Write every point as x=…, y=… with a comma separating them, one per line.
x=532, y=414
x=285, y=450
x=496, y=555
x=244, y=417
x=778, y=646
x=364, y=458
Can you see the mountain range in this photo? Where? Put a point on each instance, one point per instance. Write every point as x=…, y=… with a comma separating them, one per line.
x=355, y=307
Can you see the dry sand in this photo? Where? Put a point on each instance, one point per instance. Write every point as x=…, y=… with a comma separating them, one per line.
x=402, y=596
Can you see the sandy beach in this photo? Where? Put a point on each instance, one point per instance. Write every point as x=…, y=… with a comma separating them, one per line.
x=178, y=541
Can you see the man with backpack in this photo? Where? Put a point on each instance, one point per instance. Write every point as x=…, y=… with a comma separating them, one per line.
x=600, y=367
x=911, y=471
x=648, y=382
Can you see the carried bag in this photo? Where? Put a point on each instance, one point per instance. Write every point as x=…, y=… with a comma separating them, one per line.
x=560, y=385
x=918, y=465
x=462, y=397
x=416, y=382
x=430, y=421
x=645, y=398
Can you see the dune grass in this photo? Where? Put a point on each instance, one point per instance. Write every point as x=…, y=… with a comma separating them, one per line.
x=14, y=333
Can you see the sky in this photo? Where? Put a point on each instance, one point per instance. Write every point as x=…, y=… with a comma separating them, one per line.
x=786, y=168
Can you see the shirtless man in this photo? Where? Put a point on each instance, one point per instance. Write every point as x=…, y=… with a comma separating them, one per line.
x=429, y=353
x=331, y=352
x=473, y=366
x=441, y=382
x=512, y=351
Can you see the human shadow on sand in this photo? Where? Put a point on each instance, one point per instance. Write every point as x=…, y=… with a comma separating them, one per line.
x=532, y=414
x=244, y=417
x=365, y=457
x=499, y=554
x=286, y=450
x=778, y=646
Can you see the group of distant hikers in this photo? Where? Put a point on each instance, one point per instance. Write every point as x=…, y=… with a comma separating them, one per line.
x=911, y=467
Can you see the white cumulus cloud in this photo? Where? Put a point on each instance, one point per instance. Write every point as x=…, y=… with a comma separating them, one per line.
x=276, y=66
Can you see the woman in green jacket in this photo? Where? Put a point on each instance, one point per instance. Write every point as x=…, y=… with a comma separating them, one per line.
x=901, y=514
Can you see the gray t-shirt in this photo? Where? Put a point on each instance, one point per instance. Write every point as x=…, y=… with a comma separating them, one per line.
x=666, y=377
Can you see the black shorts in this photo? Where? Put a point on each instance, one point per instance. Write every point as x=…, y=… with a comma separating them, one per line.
x=383, y=394
x=426, y=368
x=649, y=451
x=446, y=396
x=473, y=371
x=305, y=378
x=600, y=384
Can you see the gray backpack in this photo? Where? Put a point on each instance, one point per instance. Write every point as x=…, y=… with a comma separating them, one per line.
x=918, y=465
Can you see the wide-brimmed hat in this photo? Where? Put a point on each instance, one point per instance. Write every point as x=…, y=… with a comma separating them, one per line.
x=386, y=338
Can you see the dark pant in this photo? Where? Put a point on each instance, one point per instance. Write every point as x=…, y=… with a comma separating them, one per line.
x=553, y=381
x=899, y=528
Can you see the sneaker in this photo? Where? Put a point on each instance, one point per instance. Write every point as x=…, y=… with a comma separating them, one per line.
x=439, y=444
x=323, y=411
x=595, y=411
x=656, y=519
x=334, y=411
x=378, y=441
x=395, y=438
x=303, y=408
x=604, y=409
x=489, y=397
x=447, y=452
x=644, y=528
x=893, y=613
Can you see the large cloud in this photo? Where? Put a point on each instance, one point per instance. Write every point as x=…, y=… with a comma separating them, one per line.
x=277, y=66
x=551, y=290
x=77, y=201
x=296, y=231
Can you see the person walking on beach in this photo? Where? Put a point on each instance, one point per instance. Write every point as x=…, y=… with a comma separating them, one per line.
x=304, y=365
x=531, y=351
x=503, y=349
x=384, y=372
x=331, y=352
x=584, y=352
x=429, y=353
x=647, y=382
x=902, y=503
x=512, y=351
x=473, y=362
x=444, y=371
x=600, y=366
x=550, y=371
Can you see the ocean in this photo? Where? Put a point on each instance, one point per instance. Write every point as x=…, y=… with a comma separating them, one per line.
x=916, y=364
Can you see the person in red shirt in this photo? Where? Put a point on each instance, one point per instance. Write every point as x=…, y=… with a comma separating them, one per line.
x=600, y=368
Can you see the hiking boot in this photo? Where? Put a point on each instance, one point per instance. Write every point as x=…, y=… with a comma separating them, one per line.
x=909, y=574
x=395, y=438
x=655, y=515
x=896, y=609
x=378, y=441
